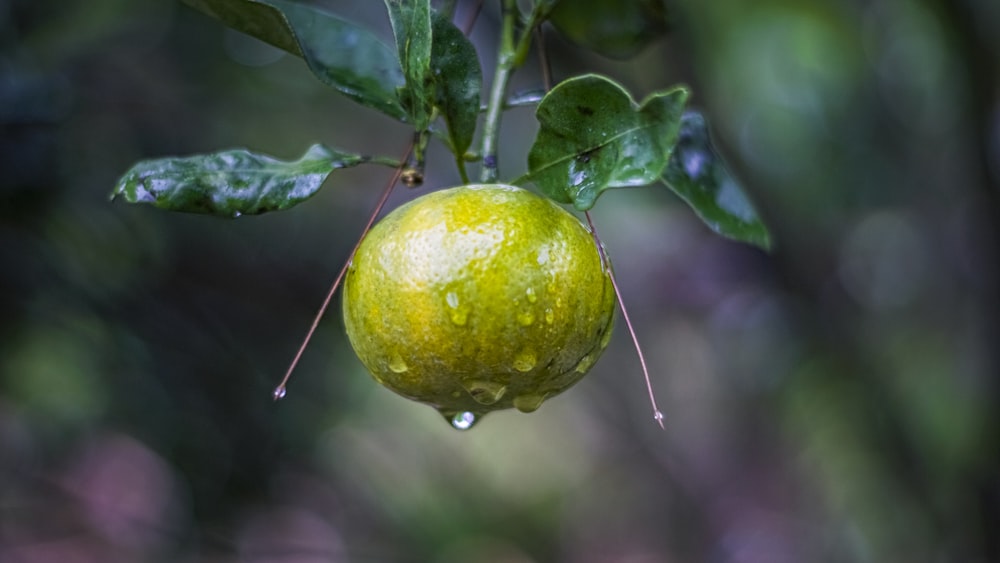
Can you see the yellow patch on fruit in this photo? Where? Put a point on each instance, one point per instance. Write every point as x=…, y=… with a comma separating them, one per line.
x=478, y=298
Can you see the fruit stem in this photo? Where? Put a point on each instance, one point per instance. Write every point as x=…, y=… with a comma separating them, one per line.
x=657, y=414
x=281, y=389
x=494, y=109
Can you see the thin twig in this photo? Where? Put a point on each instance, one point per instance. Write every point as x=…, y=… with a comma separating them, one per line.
x=281, y=389
x=657, y=414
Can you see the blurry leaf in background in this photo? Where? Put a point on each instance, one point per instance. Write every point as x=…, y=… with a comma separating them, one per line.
x=613, y=28
x=697, y=174
x=231, y=183
x=341, y=54
x=593, y=136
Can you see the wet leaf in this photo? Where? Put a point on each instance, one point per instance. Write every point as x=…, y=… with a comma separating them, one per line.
x=411, y=26
x=614, y=28
x=593, y=136
x=339, y=53
x=230, y=183
x=458, y=79
x=698, y=174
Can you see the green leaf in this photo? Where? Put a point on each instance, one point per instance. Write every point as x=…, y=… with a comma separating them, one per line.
x=340, y=54
x=230, y=183
x=411, y=26
x=593, y=136
x=614, y=28
x=459, y=80
x=697, y=173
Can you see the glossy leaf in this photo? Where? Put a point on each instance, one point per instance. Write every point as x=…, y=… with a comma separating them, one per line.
x=341, y=54
x=697, y=174
x=230, y=183
x=458, y=79
x=411, y=26
x=593, y=136
x=613, y=28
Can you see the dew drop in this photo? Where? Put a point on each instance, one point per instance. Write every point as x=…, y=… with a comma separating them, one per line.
x=485, y=392
x=528, y=403
x=397, y=364
x=526, y=318
x=236, y=214
x=543, y=256
x=530, y=292
x=550, y=315
x=459, y=317
x=584, y=364
x=463, y=420
x=452, y=299
x=605, y=338
x=279, y=393
x=525, y=360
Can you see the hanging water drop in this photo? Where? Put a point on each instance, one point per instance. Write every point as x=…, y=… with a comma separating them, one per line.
x=485, y=392
x=528, y=403
x=279, y=393
x=463, y=420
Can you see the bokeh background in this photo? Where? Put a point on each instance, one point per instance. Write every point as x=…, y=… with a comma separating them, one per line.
x=834, y=400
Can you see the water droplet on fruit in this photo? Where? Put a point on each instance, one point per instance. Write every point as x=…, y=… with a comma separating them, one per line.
x=530, y=292
x=485, y=392
x=463, y=420
x=528, y=403
x=550, y=315
x=543, y=256
x=605, y=339
x=584, y=364
x=459, y=317
x=459, y=314
x=526, y=318
x=397, y=364
x=525, y=360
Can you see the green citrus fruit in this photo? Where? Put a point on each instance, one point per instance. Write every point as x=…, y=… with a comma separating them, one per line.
x=478, y=298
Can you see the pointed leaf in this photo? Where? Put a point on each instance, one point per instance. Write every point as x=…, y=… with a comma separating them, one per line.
x=458, y=79
x=341, y=54
x=697, y=174
x=593, y=136
x=614, y=28
x=230, y=183
x=411, y=26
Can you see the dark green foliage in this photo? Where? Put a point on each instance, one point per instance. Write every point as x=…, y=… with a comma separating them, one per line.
x=593, y=136
x=231, y=183
x=340, y=54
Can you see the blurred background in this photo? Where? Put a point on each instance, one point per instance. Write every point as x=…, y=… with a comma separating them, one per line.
x=834, y=400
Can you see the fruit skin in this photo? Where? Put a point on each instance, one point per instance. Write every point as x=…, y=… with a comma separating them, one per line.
x=478, y=298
